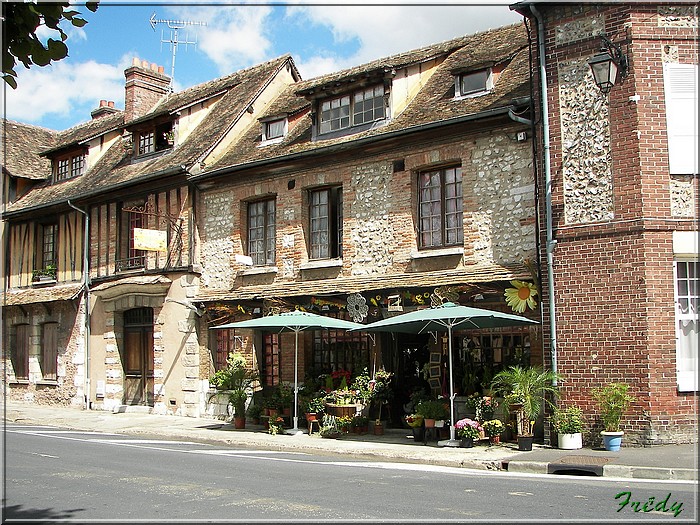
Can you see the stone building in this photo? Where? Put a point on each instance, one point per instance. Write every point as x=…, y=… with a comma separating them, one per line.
x=622, y=167
x=373, y=190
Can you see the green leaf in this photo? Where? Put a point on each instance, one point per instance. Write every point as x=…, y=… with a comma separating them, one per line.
x=78, y=22
x=41, y=56
x=92, y=6
x=57, y=49
x=10, y=81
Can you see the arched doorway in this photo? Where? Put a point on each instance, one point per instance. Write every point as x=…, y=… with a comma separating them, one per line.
x=138, y=356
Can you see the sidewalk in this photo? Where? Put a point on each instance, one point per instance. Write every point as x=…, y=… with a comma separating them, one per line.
x=675, y=462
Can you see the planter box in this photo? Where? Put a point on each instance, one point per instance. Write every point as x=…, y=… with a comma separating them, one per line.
x=570, y=441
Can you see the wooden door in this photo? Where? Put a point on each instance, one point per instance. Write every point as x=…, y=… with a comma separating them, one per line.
x=138, y=357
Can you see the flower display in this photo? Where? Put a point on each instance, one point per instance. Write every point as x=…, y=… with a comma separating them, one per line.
x=275, y=425
x=414, y=420
x=494, y=427
x=522, y=296
x=468, y=428
x=483, y=406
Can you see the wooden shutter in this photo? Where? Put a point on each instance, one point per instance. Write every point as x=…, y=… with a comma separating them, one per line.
x=49, y=351
x=21, y=352
x=681, y=90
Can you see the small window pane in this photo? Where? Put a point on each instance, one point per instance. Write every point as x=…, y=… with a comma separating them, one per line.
x=274, y=129
x=473, y=83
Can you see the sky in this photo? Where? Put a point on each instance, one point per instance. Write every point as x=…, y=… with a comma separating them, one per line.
x=322, y=38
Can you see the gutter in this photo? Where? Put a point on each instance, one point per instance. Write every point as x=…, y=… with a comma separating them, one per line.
x=551, y=242
x=506, y=110
x=86, y=285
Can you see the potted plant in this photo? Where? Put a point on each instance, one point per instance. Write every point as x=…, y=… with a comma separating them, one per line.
x=468, y=430
x=314, y=408
x=568, y=424
x=275, y=425
x=254, y=412
x=613, y=400
x=415, y=422
x=360, y=423
x=494, y=428
x=45, y=274
x=432, y=410
x=525, y=390
x=285, y=395
x=381, y=394
x=329, y=427
x=237, y=380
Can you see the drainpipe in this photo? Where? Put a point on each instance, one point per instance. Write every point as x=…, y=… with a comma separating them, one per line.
x=86, y=285
x=551, y=243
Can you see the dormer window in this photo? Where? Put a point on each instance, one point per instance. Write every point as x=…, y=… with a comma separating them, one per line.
x=473, y=83
x=154, y=139
x=360, y=108
x=274, y=129
x=69, y=166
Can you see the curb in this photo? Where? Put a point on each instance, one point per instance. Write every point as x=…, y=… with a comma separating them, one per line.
x=609, y=471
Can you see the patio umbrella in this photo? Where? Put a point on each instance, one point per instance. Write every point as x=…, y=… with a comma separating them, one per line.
x=445, y=318
x=296, y=322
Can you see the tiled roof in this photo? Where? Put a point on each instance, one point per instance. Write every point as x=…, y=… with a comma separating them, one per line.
x=115, y=169
x=22, y=145
x=41, y=295
x=435, y=102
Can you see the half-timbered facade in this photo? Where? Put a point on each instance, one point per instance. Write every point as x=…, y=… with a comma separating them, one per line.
x=106, y=318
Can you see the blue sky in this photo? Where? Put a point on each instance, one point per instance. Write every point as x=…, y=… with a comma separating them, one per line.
x=321, y=38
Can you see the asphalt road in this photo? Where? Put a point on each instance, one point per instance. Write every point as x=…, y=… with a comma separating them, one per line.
x=54, y=474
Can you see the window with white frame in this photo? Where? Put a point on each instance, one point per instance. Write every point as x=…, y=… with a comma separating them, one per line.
x=326, y=223
x=262, y=232
x=473, y=83
x=681, y=94
x=360, y=108
x=687, y=285
x=274, y=129
x=440, y=208
x=69, y=166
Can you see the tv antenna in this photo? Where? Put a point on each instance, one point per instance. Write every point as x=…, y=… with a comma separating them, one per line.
x=174, y=41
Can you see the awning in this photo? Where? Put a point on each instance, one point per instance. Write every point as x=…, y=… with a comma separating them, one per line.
x=45, y=294
x=478, y=273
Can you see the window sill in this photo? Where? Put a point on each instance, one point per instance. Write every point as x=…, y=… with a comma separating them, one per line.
x=440, y=252
x=44, y=282
x=259, y=270
x=322, y=263
x=18, y=381
x=47, y=382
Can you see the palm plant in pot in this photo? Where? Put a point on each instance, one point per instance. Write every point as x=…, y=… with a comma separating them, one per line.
x=613, y=401
x=525, y=392
x=568, y=424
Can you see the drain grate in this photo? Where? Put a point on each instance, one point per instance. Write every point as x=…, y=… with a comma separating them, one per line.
x=584, y=460
x=579, y=465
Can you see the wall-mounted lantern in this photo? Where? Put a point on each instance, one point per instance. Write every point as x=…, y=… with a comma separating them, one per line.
x=607, y=64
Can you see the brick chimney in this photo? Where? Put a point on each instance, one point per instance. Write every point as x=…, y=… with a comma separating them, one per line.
x=145, y=86
x=106, y=108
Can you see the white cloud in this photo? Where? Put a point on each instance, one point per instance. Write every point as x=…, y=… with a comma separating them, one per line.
x=383, y=30
x=235, y=36
x=63, y=90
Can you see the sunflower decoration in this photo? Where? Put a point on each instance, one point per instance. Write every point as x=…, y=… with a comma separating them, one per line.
x=522, y=296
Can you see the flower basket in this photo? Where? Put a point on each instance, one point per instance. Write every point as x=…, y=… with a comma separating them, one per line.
x=468, y=428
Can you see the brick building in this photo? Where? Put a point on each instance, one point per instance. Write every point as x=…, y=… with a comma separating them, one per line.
x=623, y=174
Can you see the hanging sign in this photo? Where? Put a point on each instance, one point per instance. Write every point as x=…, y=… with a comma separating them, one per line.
x=150, y=240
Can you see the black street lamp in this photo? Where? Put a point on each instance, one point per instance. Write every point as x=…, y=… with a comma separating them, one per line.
x=606, y=65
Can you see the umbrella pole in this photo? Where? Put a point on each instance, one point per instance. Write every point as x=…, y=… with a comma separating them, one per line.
x=452, y=442
x=295, y=429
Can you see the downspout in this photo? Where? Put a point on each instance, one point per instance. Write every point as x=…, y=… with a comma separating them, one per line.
x=551, y=243
x=86, y=285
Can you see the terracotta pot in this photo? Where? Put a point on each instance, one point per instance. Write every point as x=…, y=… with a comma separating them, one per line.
x=429, y=423
x=495, y=440
x=239, y=422
x=311, y=416
x=378, y=430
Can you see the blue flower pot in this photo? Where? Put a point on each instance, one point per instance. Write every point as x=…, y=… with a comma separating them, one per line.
x=612, y=440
